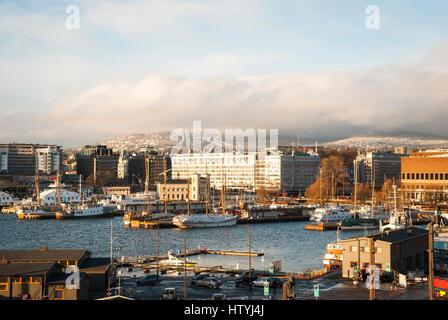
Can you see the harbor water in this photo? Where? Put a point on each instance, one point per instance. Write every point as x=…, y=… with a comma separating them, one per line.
x=298, y=249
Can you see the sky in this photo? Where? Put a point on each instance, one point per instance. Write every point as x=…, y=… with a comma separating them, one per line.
x=311, y=67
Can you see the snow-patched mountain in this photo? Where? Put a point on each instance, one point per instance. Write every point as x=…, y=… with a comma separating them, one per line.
x=392, y=140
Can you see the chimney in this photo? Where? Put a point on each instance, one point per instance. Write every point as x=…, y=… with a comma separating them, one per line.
x=43, y=248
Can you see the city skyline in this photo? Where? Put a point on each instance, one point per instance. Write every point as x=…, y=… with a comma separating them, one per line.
x=311, y=67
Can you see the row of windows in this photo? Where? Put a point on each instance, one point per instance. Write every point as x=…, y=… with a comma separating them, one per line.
x=424, y=176
x=425, y=187
x=365, y=265
x=365, y=249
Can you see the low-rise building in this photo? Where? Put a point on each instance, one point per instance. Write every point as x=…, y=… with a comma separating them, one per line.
x=96, y=271
x=399, y=250
x=193, y=189
x=38, y=281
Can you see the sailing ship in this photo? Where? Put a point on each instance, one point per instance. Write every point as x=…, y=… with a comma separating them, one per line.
x=206, y=220
x=148, y=216
x=39, y=211
x=397, y=219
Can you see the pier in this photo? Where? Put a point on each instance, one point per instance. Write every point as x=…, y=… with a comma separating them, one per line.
x=144, y=260
x=322, y=226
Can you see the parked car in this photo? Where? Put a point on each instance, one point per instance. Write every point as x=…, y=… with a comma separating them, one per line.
x=150, y=279
x=219, y=296
x=169, y=294
x=273, y=282
x=198, y=277
x=208, y=282
x=244, y=279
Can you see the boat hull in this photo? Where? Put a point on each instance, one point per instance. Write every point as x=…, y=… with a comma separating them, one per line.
x=204, y=221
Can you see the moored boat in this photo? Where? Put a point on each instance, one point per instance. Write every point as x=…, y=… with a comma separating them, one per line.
x=201, y=220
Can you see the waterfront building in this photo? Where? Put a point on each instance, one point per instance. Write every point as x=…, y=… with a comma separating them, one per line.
x=21, y=159
x=399, y=250
x=39, y=280
x=378, y=166
x=54, y=262
x=97, y=162
x=159, y=166
x=194, y=189
x=424, y=177
x=279, y=171
x=117, y=190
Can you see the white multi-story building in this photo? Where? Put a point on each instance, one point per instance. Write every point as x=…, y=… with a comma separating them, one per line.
x=250, y=171
x=48, y=159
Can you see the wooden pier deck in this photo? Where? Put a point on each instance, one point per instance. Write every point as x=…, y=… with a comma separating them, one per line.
x=321, y=226
x=146, y=260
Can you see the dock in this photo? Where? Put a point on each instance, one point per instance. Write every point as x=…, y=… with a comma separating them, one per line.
x=322, y=226
x=141, y=262
x=142, y=224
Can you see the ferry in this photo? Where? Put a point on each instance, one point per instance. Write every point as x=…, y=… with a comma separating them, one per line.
x=83, y=211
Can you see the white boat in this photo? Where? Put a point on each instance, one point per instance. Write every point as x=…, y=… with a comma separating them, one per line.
x=35, y=213
x=83, y=211
x=174, y=261
x=333, y=255
x=202, y=220
x=329, y=215
x=397, y=219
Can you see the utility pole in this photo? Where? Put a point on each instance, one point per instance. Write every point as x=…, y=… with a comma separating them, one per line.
x=372, y=268
x=185, y=267
x=157, y=261
x=356, y=186
x=250, y=261
x=431, y=260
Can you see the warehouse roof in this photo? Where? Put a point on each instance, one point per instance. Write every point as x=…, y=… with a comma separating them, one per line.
x=42, y=255
x=25, y=269
x=395, y=235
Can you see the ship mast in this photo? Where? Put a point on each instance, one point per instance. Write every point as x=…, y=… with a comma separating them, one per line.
x=356, y=187
x=206, y=190
x=37, y=183
x=223, y=195
x=147, y=182
x=59, y=189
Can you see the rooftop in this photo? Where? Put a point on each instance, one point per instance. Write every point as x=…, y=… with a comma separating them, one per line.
x=395, y=235
x=25, y=269
x=43, y=255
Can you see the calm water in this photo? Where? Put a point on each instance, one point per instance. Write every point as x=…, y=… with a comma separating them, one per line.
x=297, y=248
